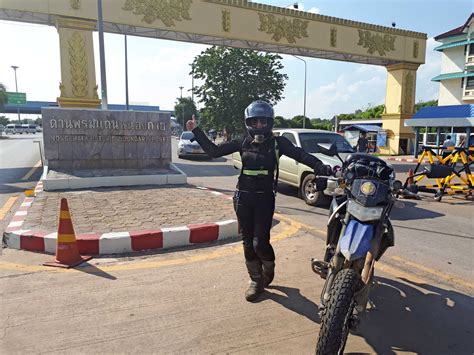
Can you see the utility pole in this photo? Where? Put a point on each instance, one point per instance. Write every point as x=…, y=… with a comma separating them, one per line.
x=15, y=67
x=126, y=74
x=304, y=104
x=192, y=82
x=103, y=79
x=182, y=106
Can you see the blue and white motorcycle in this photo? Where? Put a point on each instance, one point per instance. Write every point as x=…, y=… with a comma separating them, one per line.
x=358, y=233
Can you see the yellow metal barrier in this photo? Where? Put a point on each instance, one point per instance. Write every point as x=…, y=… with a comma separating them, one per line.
x=459, y=178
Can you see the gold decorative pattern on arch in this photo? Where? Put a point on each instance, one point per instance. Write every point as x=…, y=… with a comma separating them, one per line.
x=416, y=46
x=78, y=63
x=226, y=20
x=376, y=42
x=282, y=27
x=333, y=37
x=75, y=4
x=408, y=97
x=167, y=11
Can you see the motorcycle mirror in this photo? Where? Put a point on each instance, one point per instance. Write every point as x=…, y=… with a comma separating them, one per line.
x=328, y=149
x=397, y=185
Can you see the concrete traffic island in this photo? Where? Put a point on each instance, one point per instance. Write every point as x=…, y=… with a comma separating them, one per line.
x=122, y=220
x=107, y=164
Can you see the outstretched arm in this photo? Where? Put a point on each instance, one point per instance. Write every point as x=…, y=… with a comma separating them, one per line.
x=210, y=148
x=301, y=156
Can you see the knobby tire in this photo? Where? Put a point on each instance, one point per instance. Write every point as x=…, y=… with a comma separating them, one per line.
x=335, y=320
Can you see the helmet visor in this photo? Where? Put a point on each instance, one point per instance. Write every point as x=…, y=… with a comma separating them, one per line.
x=257, y=122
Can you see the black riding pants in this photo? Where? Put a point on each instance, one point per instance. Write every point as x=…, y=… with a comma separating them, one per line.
x=255, y=214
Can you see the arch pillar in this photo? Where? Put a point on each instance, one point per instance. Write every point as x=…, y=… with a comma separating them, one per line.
x=399, y=106
x=78, y=87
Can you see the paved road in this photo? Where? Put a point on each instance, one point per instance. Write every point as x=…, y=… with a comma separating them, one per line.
x=435, y=235
x=191, y=301
x=20, y=169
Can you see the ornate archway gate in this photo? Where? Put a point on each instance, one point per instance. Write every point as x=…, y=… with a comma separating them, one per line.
x=235, y=23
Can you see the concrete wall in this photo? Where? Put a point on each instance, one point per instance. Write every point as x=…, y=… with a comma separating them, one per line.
x=450, y=92
x=453, y=60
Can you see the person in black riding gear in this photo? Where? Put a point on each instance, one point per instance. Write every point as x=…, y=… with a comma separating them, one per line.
x=254, y=198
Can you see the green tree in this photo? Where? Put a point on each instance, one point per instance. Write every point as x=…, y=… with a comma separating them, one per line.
x=232, y=79
x=3, y=96
x=281, y=122
x=184, y=109
x=4, y=121
x=421, y=104
x=297, y=122
x=318, y=123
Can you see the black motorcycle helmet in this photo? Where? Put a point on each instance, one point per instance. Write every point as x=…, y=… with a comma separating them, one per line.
x=261, y=110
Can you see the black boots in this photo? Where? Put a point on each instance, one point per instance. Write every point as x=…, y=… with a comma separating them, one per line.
x=256, y=287
x=268, y=272
x=261, y=275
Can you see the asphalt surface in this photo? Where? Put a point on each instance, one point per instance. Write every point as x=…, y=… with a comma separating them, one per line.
x=191, y=300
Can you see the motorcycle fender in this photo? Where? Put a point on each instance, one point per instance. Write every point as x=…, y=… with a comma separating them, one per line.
x=356, y=241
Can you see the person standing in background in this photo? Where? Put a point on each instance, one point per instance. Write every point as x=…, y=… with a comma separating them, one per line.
x=362, y=145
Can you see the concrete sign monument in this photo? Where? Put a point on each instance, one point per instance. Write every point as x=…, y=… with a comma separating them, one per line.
x=91, y=139
x=92, y=145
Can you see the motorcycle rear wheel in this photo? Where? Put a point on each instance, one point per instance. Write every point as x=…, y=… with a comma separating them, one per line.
x=336, y=317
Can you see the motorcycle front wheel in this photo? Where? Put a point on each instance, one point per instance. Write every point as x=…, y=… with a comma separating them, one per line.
x=336, y=317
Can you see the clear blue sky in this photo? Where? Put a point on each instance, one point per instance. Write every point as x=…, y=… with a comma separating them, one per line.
x=158, y=67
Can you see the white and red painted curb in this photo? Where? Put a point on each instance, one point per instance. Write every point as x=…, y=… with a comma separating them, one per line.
x=117, y=242
x=406, y=160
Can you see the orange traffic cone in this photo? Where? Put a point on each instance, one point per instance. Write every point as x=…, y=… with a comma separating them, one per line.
x=67, y=253
x=410, y=177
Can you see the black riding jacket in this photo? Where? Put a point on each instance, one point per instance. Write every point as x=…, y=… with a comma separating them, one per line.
x=258, y=157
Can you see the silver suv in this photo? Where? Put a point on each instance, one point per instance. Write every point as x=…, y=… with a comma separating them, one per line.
x=300, y=175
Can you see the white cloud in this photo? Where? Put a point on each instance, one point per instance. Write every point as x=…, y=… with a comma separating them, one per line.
x=427, y=89
x=313, y=10
x=340, y=96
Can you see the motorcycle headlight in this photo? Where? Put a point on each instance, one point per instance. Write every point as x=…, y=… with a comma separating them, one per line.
x=369, y=193
x=362, y=213
x=368, y=188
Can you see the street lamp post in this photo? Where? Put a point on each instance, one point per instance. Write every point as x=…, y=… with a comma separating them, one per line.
x=103, y=79
x=182, y=106
x=304, y=104
x=126, y=73
x=192, y=83
x=15, y=67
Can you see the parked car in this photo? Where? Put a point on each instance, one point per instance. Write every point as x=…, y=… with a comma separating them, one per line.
x=29, y=128
x=300, y=175
x=14, y=128
x=186, y=148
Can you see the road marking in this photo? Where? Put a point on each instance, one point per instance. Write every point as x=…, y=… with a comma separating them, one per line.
x=291, y=228
x=6, y=207
x=32, y=171
x=288, y=231
x=439, y=274
x=302, y=225
x=397, y=271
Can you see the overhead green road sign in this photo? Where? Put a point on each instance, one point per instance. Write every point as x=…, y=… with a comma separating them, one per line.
x=16, y=98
